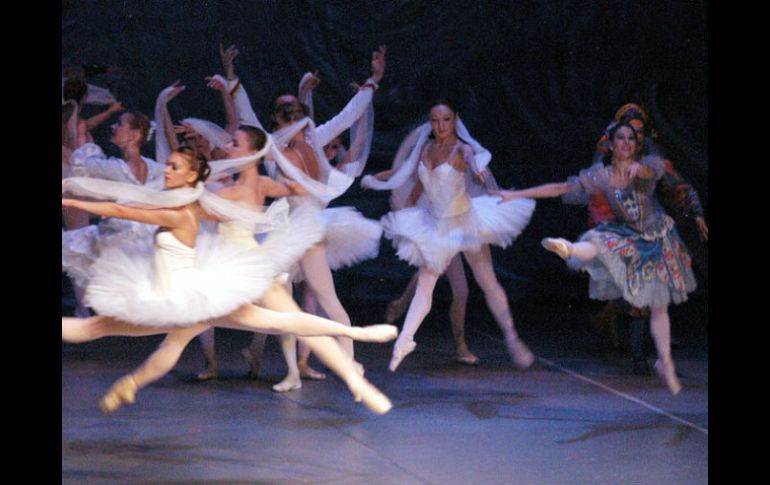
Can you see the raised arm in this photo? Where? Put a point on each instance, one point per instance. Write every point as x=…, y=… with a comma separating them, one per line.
x=218, y=83
x=100, y=118
x=165, y=138
x=241, y=102
x=308, y=82
x=357, y=105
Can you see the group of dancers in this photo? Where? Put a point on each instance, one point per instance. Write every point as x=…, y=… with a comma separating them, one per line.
x=187, y=242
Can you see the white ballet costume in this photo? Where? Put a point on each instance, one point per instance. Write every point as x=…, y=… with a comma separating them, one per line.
x=80, y=247
x=447, y=221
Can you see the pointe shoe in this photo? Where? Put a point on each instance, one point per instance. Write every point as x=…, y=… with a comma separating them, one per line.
x=467, y=358
x=561, y=247
x=377, y=333
x=667, y=373
x=520, y=353
x=393, y=311
x=123, y=391
x=290, y=383
x=307, y=372
x=254, y=364
x=208, y=375
x=401, y=350
x=365, y=392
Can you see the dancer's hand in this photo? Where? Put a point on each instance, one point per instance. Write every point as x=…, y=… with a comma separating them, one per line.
x=177, y=88
x=378, y=63
x=481, y=177
x=505, y=195
x=633, y=170
x=228, y=56
x=309, y=81
x=115, y=107
x=702, y=227
x=216, y=82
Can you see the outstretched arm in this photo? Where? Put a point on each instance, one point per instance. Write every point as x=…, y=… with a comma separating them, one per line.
x=544, y=191
x=170, y=218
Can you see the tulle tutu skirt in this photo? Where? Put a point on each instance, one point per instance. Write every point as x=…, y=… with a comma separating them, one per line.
x=225, y=275
x=81, y=247
x=423, y=240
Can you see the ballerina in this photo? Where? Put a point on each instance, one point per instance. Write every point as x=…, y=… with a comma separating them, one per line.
x=638, y=256
x=449, y=222
x=192, y=288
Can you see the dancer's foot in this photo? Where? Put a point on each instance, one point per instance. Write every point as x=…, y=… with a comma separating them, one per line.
x=210, y=373
x=519, y=352
x=290, y=383
x=464, y=356
x=123, y=391
x=375, y=333
x=401, y=350
x=394, y=310
x=666, y=371
x=255, y=364
x=561, y=247
x=307, y=372
x=364, y=391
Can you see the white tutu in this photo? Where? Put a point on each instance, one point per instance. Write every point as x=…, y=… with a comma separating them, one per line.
x=171, y=284
x=80, y=247
x=350, y=237
x=129, y=283
x=424, y=240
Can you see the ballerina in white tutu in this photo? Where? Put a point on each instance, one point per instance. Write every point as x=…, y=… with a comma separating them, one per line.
x=637, y=256
x=349, y=237
x=188, y=282
x=81, y=246
x=448, y=222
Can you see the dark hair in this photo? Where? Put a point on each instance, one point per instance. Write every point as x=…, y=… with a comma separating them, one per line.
x=140, y=121
x=257, y=138
x=611, y=134
x=67, y=111
x=288, y=112
x=74, y=88
x=197, y=162
x=445, y=102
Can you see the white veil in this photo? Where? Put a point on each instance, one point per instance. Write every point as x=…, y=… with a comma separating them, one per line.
x=138, y=195
x=405, y=162
x=333, y=183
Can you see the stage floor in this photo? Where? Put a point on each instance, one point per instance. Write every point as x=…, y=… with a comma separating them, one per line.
x=578, y=416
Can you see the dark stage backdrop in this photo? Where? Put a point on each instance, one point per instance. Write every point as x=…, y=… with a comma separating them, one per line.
x=536, y=82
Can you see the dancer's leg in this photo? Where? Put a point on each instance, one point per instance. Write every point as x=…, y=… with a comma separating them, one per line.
x=256, y=319
x=157, y=365
x=319, y=277
x=78, y=330
x=310, y=305
x=329, y=351
x=418, y=310
x=497, y=302
x=206, y=339
x=397, y=307
x=660, y=327
x=459, y=284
